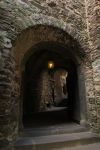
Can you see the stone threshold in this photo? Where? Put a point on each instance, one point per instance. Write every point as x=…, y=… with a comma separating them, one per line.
x=54, y=142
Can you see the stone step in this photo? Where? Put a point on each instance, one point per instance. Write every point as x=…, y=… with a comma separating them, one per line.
x=54, y=130
x=56, y=142
x=94, y=146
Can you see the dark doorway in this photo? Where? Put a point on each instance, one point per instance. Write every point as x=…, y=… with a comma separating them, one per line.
x=50, y=95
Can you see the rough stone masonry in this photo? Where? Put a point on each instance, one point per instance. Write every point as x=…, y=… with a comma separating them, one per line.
x=24, y=23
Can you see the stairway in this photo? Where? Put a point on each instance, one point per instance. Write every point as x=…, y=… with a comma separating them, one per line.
x=52, y=131
x=62, y=141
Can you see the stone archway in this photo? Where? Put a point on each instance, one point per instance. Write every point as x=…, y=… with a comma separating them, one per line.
x=37, y=62
x=16, y=20
x=38, y=37
x=21, y=51
x=10, y=62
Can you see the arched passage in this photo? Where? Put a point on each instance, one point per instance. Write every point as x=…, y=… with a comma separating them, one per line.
x=35, y=65
x=41, y=43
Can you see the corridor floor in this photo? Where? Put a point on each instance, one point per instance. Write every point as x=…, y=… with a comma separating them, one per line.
x=52, y=130
x=53, y=121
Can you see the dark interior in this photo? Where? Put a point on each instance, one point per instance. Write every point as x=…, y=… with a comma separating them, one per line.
x=69, y=110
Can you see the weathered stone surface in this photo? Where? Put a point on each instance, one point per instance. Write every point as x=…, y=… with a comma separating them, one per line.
x=22, y=25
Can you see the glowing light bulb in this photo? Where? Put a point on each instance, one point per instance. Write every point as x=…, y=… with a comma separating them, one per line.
x=50, y=64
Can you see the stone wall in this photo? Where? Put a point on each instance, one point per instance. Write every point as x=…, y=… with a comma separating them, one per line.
x=93, y=30
x=33, y=12
x=45, y=91
x=46, y=84
x=79, y=19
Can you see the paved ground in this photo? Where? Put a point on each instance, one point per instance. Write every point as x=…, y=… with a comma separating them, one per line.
x=86, y=147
